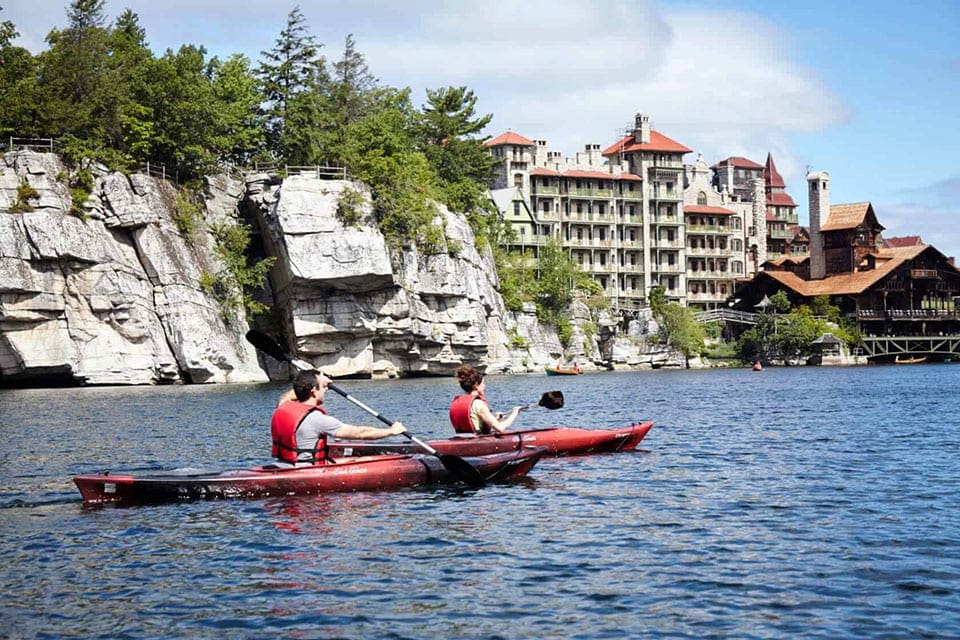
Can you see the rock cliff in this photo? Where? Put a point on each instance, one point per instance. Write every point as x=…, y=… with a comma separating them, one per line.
x=109, y=297
x=117, y=295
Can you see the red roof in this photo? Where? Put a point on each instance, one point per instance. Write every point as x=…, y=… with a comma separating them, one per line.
x=780, y=199
x=595, y=175
x=701, y=208
x=510, y=138
x=738, y=161
x=903, y=241
x=771, y=175
x=658, y=142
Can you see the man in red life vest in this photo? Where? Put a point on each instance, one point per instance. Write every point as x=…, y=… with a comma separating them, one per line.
x=300, y=427
x=470, y=413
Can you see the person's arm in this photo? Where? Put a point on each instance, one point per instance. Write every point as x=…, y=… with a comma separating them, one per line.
x=287, y=395
x=498, y=422
x=354, y=432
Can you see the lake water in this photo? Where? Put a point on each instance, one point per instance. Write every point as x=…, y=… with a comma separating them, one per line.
x=794, y=502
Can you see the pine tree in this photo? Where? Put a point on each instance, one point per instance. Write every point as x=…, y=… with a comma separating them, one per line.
x=288, y=71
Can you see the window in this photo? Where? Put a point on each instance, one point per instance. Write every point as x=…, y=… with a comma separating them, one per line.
x=516, y=209
x=518, y=180
x=702, y=198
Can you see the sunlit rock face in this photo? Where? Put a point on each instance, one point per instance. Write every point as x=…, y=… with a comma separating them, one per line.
x=352, y=305
x=110, y=294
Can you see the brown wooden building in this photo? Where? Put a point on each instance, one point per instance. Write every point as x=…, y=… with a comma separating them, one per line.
x=895, y=288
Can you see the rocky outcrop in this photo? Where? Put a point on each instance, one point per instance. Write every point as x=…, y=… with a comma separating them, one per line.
x=120, y=293
x=353, y=305
x=112, y=297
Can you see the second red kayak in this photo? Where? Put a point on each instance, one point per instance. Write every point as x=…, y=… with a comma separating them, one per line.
x=559, y=441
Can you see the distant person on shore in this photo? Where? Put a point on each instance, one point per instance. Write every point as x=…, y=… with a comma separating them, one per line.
x=300, y=426
x=470, y=412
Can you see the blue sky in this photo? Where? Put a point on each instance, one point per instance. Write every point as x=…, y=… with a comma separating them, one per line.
x=867, y=91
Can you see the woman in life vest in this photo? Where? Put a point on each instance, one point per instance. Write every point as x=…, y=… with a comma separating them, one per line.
x=300, y=427
x=470, y=412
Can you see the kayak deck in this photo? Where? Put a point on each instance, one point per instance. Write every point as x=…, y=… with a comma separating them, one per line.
x=369, y=473
x=559, y=441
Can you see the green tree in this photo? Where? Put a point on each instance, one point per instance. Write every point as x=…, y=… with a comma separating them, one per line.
x=72, y=70
x=658, y=300
x=347, y=99
x=290, y=76
x=239, y=134
x=447, y=130
x=19, y=94
x=680, y=329
x=560, y=280
x=185, y=112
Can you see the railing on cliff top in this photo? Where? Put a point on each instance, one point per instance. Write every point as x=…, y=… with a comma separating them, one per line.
x=320, y=172
x=34, y=144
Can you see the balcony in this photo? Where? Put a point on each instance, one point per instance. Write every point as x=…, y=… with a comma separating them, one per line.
x=590, y=217
x=573, y=192
x=711, y=229
x=666, y=194
x=709, y=251
x=780, y=234
x=539, y=190
x=709, y=275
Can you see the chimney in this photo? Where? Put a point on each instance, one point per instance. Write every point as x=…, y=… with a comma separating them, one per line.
x=818, y=194
x=641, y=130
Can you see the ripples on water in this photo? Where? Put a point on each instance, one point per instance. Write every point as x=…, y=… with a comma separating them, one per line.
x=799, y=502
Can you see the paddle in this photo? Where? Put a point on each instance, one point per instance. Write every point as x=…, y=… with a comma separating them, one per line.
x=549, y=400
x=454, y=464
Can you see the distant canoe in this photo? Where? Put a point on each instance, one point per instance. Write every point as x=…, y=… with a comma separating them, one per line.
x=900, y=360
x=563, y=371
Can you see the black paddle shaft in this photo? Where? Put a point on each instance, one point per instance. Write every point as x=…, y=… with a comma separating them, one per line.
x=454, y=464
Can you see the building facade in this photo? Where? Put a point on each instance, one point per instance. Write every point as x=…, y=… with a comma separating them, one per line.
x=633, y=216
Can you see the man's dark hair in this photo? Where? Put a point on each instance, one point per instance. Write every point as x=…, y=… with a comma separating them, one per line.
x=304, y=383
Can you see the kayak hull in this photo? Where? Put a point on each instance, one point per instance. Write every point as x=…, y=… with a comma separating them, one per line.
x=369, y=473
x=559, y=441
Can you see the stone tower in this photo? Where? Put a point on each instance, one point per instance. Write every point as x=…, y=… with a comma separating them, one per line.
x=818, y=193
x=758, y=209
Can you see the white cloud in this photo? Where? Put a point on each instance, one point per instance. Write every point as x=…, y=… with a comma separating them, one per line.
x=569, y=71
x=923, y=212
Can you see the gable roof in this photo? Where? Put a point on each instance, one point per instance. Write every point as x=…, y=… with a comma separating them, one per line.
x=850, y=216
x=510, y=138
x=738, y=161
x=658, y=142
x=902, y=241
x=847, y=283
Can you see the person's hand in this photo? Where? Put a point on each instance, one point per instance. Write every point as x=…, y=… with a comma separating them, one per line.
x=397, y=428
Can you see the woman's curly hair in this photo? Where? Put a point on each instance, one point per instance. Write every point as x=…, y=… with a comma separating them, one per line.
x=468, y=377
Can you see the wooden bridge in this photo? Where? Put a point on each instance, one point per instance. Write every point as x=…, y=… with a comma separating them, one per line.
x=726, y=316
x=893, y=346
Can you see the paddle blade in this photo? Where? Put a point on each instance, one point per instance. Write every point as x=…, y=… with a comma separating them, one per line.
x=551, y=400
x=268, y=345
x=462, y=469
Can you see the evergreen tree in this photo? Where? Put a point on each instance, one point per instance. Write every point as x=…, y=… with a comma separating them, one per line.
x=72, y=70
x=290, y=75
x=349, y=97
x=448, y=127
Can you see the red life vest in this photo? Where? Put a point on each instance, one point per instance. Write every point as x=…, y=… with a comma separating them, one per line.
x=283, y=429
x=460, y=414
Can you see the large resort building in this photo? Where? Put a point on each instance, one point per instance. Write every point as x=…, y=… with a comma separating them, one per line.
x=633, y=216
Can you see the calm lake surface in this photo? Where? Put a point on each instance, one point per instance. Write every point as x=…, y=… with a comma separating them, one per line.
x=795, y=502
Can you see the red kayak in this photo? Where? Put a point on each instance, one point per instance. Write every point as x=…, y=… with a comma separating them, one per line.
x=353, y=474
x=559, y=441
